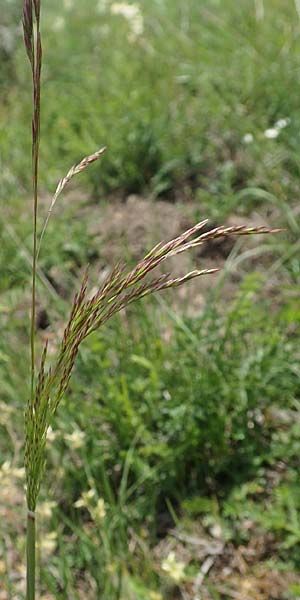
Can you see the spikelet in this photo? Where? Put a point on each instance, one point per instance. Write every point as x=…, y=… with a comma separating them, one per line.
x=27, y=22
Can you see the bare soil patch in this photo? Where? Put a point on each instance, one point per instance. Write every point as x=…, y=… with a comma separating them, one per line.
x=128, y=229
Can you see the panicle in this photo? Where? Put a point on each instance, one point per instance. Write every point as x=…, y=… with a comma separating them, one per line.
x=118, y=291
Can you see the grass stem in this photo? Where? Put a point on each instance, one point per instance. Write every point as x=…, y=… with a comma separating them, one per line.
x=34, y=269
x=30, y=552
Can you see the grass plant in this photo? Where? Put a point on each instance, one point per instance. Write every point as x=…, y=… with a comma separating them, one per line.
x=89, y=311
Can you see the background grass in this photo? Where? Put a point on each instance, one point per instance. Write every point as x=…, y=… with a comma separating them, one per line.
x=177, y=420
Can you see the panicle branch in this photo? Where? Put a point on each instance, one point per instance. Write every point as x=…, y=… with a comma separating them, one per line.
x=75, y=170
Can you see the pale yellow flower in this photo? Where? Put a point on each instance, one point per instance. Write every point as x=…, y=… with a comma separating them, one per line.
x=45, y=509
x=51, y=435
x=173, y=567
x=48, y=542
x=132, y=14
x=85, y=499
x=7, y=472
x=75, y=439
x=99, y=512
x=6, y=466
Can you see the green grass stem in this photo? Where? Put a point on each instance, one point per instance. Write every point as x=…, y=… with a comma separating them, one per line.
x=30, y=555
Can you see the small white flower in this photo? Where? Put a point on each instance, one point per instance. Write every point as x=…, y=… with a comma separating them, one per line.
x=18, y=473
x=216, y=531
x=75, y=439
x=99, y=512
x=6, y=467
x=282, y=123
x=51, y=435
x=45, y=509
x=47, y=543
x=248, y=138
x=8, y=471
x=271, y=133
x=132, y=13
x=80, y=503
x=85, y=499
x=173, y=567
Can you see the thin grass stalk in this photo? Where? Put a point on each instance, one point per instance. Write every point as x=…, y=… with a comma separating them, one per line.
x=30, y=557
x=32, y=38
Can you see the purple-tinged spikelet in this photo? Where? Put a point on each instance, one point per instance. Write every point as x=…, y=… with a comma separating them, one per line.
x=37, y=9
x=27, y=22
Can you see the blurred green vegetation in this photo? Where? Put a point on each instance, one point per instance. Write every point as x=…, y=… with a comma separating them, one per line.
x=173, y=104
x=170, y=420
